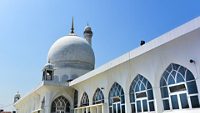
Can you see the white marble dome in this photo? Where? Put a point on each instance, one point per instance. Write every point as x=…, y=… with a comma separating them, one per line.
x=71, y=51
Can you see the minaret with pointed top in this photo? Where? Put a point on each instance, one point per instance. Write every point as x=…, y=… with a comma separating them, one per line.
x=88, y=34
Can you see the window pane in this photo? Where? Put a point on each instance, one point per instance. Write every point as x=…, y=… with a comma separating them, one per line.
x=117, y=93
x=53, y=109
x=144, y=81
x=121, y=92
x=169, y=68
x=192, y=88
x=139, y=106
x=189, y=76
x=173, y=74
x=184, y=101
x=182, y=71
x=137, y=77
x=179, y=78
x=132, y=97
x=60, y=103
x=150, y=94
x=165, y=75
x=140, y=77
x=175, y=66
x=84, y=100
x=118, y=108
x=149, y=86
x=171, y=80
x=110, y=109
x=142, y=87
x=137, y=88
x=122, y=99
x=166, y=104
x=162, y=82
x=123, y=109
x=164, y=92
x=194, y=101
x=151, y=106
x=67, y=108
x=144, y=102
x=133, y=108
x=174, y=102
x=110, y=101
x=75, y=98
x=114, y=108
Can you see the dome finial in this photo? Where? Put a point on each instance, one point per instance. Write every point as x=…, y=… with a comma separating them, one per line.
x=72, y=29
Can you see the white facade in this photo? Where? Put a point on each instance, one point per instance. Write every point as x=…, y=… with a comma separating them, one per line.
x=178, y=48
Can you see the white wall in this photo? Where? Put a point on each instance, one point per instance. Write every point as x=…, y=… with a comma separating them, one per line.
x=151, y=65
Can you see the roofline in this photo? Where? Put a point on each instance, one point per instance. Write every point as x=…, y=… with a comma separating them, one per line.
x=163, y=39
x=43, y=83
x=29, y=93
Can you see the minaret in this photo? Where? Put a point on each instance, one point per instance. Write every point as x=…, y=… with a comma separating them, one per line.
x=88, y=34
x=16, y=97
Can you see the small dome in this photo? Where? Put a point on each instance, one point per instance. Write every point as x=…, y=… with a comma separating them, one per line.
x=48, y=66
x=87, y=29
x=71, y=50
x=17, y=94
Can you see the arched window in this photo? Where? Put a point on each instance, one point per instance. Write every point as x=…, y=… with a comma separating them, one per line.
x=75, y=99
x=84, y=100
x=60, y=105
x=116, y=99
x=178, y=88
x=141, y=95
x=98, y=97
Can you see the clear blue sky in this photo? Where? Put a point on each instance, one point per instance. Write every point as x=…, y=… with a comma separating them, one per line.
x=28, y=28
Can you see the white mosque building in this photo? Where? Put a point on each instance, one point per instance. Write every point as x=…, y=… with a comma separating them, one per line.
x=161, y=76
